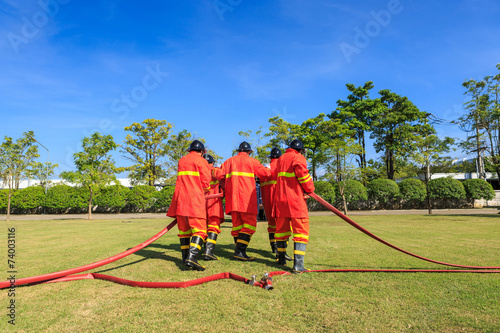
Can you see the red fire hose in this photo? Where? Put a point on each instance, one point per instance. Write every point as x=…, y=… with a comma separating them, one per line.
x=265, y=282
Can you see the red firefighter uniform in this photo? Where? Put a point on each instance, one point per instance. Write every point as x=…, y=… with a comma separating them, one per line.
x=215, y=209
x=239, y=172
x=267, y=189
x=188, y=203
x=290, y=208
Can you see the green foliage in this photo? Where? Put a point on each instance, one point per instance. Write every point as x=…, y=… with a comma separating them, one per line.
x=383, y=190
x=164, y=197
x=325, y=190
x=354, y=190
x=446, y=188
x=4, y=197
x=141, y=196
x=478, y=189
x=28, y=198
x=114, y=196
x=412, y=189
x=59, y=197
x=42, y=172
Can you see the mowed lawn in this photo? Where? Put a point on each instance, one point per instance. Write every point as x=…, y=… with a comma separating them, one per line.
x=311, y=302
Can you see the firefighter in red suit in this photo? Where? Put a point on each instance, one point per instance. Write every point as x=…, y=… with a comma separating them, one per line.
x=267, y=189
x=188, y=203
x=215, y=213
x=290, y=209
x=239, y=172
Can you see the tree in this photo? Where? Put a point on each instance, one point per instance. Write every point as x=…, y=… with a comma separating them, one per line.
x=177, y=146
x=145, y=147
x=16, y=160
x=482, y=119
x=358, y=111
x=395, y=126
x=281, y=132
x=260, y=148
x=42, y=171
x=94, y=166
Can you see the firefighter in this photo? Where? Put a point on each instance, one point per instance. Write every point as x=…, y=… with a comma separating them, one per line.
x=267, y=189
x=239, y=172
x=188, y=203
x=215, y=213
x=293, y=184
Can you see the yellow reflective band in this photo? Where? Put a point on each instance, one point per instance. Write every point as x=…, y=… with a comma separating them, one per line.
x=272, y=226
x=213, y=226
x=300, y=236
x=272, y=240
x=214, y=182
x=288, y=233
x=206, y=188
x=238, y=228
x=281, y=249
x=305, y=180
x=243, y=174
x=195, y=245
x=184, y=247
x=188, y=173
x=211, y=241
x=248, y=226
x=242, y=241
x=286, y=174
x=271, y=182
x=304, y=177
x=185, y=232
x=302, y=253
x=198, y=230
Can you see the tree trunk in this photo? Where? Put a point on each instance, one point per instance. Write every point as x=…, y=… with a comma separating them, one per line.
x=429, y=207
x=90, y=205
x=8, y=204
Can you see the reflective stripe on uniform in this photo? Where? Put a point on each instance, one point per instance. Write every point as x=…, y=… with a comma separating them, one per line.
x=300, y=236
x=271, y=182
x=286, y=174
x=242, y=174
x=214, y=226
x=214, y=182
x=185, y=232
x=306, y=179
x=248, y=226
x=188, y=173
x=288, y=233
x=238, y=228
x=194, y=230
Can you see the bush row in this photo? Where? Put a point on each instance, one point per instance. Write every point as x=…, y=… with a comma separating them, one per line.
x=62, y=199
x=409, y=193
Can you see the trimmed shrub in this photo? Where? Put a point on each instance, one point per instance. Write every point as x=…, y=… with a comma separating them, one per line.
x=478, y=189
x=446, y=188
x=412, y=189
x=354, y=191
x=4, y=200
x=383, y=190
x=325, y=190
x=164, y=197
x=28, y=198
x=141, y=197
x=112, y=198
x=59, y=198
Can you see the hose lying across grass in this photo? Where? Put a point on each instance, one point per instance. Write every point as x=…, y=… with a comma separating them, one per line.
x=68, y=275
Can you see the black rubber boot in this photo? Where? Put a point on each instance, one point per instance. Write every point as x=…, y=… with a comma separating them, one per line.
x=241, y=247
x=298, y=261
x=287, y=257
x=235, y=239
x=184, y=248
x=192, y=258
x=272, y=241
x=209, y=247
x=281, y=245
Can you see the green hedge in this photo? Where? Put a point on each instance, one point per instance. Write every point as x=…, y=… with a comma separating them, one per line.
x=383, y=190
x=412, y=189
x=478, y=189
x=141, y=197
x=325, y=190
x=163, y=198
x=112, y=198
x=446, y=188
x=28, y=198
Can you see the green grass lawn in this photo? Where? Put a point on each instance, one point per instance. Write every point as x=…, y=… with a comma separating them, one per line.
x=312, y=302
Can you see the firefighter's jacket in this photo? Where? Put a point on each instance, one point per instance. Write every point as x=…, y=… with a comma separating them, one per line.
x=267, y=189
x=239, y=173
x=292, y=180
x=193, y=181
x=214, y=206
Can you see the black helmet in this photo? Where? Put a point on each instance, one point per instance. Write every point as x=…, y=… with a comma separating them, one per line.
x=297, y=145
x=209, y=158
x=245, y=146
x=196, y=145
x=275, y=153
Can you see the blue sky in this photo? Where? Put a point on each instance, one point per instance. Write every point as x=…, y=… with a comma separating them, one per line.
x=70, y=68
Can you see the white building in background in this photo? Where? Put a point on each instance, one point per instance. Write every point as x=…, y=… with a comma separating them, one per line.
x=31, y=182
